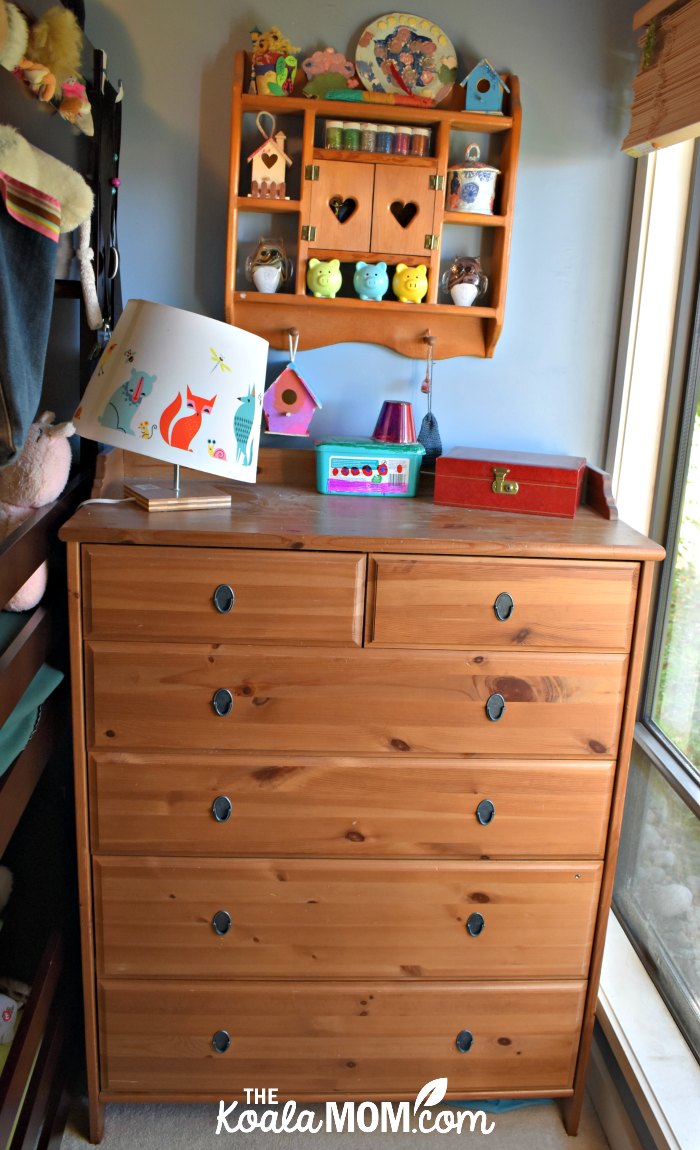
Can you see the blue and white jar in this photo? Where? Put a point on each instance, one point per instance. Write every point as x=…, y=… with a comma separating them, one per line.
x=471, y=186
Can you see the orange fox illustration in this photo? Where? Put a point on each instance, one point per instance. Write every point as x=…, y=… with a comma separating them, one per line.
x=181, y=432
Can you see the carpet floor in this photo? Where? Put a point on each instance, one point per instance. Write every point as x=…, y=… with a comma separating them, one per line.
x=159, y=1126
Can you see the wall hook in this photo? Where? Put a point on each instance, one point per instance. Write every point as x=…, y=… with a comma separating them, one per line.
x=293, y=343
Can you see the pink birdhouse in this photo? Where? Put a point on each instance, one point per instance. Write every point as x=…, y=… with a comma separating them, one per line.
x=288, y=404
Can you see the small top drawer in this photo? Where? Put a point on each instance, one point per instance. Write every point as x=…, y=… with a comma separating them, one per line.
x=460, y=602
x=223, y=595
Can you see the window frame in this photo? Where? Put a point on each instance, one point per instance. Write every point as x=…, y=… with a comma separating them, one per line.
x=672, y=401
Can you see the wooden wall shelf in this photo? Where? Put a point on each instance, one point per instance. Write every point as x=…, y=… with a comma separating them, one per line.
x=400, y=326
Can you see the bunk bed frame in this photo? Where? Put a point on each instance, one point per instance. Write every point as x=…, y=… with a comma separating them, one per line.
x=41, y=947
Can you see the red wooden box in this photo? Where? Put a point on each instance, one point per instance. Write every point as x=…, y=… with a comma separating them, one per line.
x=517, y=481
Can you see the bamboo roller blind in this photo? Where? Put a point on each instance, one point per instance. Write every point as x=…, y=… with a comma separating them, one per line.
x=666, y=92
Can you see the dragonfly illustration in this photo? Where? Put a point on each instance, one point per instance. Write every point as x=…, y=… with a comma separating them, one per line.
x=218, y=361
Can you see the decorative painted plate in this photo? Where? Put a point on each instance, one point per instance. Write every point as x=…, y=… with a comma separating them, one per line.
x=399, y=53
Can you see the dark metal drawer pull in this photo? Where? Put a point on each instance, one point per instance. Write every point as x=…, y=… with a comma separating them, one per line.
x=495, y=706
x=504, y=606
x=221, y=1041
x=224, y=598
x=464, y=1040
x=222, y=702
x=221, y=808
x=485, y=812
x=221, y=922
x=475, y=924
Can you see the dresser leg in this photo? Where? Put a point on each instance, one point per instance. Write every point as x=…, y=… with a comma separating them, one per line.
x=571, y=1112
x=96, y=1121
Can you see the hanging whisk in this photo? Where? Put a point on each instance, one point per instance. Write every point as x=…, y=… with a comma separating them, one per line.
x=429, y=434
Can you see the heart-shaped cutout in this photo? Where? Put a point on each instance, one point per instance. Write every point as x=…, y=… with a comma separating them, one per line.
x=268, y=160
x=403, y=213
x=342, y=209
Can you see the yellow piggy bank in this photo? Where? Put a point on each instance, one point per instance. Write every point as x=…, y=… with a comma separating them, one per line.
x=409, y=284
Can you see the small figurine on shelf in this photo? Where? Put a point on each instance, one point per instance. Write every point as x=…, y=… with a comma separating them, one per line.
x=268, y=266
x=324, y=278
x=484, y=89
x=328, y=70
x=269, y=163
x=370, y=280
x=408, y=284
x=465, y=280
x=274, y=63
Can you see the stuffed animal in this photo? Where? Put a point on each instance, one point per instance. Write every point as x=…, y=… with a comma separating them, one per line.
x=36, y=478
x=46, y=53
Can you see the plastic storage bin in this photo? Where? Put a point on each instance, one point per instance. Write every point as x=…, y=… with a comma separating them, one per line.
x=367, y=467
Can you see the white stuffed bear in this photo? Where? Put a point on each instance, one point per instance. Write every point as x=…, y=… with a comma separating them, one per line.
x=36, y=478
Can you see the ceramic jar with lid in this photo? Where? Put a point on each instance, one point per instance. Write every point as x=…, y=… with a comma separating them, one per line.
x=471, y=186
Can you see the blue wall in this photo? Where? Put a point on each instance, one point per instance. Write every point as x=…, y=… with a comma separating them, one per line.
x=548, y=386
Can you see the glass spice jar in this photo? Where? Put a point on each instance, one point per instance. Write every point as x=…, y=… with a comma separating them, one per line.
x=368, y=137
x=334, y=134
x=402, y=140
x=385, y=138
x=420, y=142
x=351, y=136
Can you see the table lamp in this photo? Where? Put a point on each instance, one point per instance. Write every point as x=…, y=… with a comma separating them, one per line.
x=183, y=389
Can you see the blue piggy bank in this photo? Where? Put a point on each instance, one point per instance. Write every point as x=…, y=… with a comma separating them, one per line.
x=370, y=280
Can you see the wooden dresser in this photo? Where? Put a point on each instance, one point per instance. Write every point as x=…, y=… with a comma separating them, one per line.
x=349, y=780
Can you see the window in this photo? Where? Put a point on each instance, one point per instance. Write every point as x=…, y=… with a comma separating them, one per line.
x=657, y=887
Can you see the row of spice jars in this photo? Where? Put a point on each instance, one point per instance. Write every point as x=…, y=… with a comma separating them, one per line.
x=361, y=136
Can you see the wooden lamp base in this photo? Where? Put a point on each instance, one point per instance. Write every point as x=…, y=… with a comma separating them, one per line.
x=188, y=496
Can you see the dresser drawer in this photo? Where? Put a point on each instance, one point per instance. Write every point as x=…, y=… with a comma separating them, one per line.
x=332, y=1039
x=365, y=701
x=225, y=918
x=276, y=596
x=339, y=807
x=465, y=602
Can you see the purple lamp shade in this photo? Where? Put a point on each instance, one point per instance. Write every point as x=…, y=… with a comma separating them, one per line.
x=395, y=423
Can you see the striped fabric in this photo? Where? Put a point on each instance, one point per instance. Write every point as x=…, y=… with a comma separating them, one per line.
x=28, y=206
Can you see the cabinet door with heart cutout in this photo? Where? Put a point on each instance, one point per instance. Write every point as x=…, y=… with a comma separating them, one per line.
x=384, y=208
x=404, y=209
x=341, y=206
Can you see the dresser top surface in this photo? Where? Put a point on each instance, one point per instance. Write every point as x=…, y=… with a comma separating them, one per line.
x=292, y=516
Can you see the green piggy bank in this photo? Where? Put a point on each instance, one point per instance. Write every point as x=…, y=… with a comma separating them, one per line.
x=324, y=277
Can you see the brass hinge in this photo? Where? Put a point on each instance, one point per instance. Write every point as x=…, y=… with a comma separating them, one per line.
x=436, y=183
x=311, y=172
x=431, y=242
x=308, y=233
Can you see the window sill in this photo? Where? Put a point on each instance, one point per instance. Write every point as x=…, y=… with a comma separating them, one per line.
x=654, y=1058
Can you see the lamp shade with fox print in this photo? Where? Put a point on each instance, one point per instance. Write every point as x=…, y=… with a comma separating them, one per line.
x=183, y=389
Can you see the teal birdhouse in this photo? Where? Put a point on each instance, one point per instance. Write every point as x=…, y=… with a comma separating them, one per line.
x=484, y=89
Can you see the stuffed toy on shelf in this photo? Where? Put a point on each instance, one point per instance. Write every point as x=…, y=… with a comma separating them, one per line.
x=37, y=477
x=46, y=54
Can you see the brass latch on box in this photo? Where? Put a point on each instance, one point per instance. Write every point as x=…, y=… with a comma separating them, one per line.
x=501, y=485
